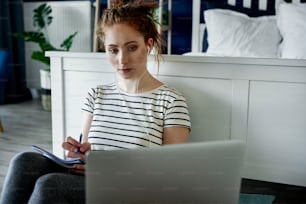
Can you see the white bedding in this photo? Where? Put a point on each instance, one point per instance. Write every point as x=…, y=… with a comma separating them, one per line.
x=232, y=33
x=291, y=19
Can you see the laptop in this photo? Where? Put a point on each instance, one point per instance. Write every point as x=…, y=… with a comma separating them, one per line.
x=199, y=172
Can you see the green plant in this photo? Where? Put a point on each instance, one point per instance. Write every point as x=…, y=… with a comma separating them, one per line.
x=42, y=19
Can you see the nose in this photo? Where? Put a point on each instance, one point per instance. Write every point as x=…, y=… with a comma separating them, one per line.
x=122, y=57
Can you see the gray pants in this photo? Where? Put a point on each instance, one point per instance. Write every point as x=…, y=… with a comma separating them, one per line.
x=32, y=178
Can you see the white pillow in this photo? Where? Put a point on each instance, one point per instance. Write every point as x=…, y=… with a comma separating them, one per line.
x=232, y=33
x=291, y=20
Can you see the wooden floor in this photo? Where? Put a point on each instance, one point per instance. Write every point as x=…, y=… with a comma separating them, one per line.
x=24, y=124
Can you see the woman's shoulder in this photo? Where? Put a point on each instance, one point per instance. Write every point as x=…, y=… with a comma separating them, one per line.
x=169, y=91
x=104, y=87
x=100, y=90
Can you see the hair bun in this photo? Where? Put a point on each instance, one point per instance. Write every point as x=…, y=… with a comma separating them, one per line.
x=149, y=4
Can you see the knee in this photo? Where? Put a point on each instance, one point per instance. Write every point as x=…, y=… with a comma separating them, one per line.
x=59, y=188
x=47, y=182
x=55, y=184
x=23, y=158
x=58, y=181
x=45, y=189
x=29, y=163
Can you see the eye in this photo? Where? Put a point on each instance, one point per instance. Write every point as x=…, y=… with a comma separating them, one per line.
x=113, y=50
x=132, y=48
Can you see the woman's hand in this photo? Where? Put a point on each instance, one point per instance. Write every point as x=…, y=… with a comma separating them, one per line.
x=76, y=150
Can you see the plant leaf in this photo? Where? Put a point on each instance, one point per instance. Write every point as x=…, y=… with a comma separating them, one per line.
x=42, y=16
x=40, y=56
x=36, y=37
x=31, y=36
x=46, y=46
x=41, y=19
x=66, y=44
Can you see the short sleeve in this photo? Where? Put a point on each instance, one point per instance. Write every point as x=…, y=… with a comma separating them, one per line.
x=177, y=113
x=89, y=101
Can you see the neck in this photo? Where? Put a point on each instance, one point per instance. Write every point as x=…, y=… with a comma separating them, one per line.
x=145, y=82
x=131, y=85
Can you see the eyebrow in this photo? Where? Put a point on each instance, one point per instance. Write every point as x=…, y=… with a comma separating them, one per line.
x=125, y=44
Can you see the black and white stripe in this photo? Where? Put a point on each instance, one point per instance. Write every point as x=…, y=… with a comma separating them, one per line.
x=122, y=120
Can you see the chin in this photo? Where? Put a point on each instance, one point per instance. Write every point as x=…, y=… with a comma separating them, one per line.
x=124, y=75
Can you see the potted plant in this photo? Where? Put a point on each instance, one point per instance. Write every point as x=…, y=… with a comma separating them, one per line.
x=41, y=20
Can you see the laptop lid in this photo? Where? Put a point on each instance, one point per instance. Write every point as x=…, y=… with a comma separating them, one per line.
x=201, y=172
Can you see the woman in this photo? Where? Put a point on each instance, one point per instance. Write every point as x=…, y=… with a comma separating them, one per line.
x=137, y=110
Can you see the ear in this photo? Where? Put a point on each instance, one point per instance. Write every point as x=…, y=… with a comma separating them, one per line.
x=150, y=45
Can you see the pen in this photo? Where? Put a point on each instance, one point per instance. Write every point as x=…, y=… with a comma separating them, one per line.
x=80, y=141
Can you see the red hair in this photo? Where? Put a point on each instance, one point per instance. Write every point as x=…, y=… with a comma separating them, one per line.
x=137, y=14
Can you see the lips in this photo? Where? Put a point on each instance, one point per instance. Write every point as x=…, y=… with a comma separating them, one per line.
x=125, y=70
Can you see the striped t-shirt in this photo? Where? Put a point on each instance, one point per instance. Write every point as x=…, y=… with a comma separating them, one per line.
x=124, y=121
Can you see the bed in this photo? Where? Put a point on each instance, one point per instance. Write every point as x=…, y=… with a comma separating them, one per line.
x=249, y=28
x=260, y=101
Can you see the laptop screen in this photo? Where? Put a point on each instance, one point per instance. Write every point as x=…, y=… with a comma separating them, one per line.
x=202, y=172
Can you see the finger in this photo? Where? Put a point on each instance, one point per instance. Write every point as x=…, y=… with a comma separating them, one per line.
x=79, y=166
x=72, y=141
x=73, y=152
x=69, y=147
x=77, y=171
x=71, y=144
x=85, y=147
x=76, y=155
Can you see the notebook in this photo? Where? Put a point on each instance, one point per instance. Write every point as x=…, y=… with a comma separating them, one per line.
x=200, y=172
x=67, y=163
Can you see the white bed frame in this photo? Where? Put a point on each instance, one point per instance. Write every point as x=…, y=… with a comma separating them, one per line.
x=260, y=101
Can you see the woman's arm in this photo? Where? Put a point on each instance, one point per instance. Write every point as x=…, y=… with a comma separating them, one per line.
x=86, y=123
x=175, y=135
x=75, y=148
x=72, y=145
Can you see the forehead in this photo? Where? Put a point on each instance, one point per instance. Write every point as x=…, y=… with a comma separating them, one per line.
x=121, y=33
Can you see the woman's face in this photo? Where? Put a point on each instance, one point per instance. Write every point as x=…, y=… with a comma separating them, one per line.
x=127, y=51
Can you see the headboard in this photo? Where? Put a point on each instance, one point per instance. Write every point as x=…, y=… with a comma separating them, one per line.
x=260, y=101
x=250, y=8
